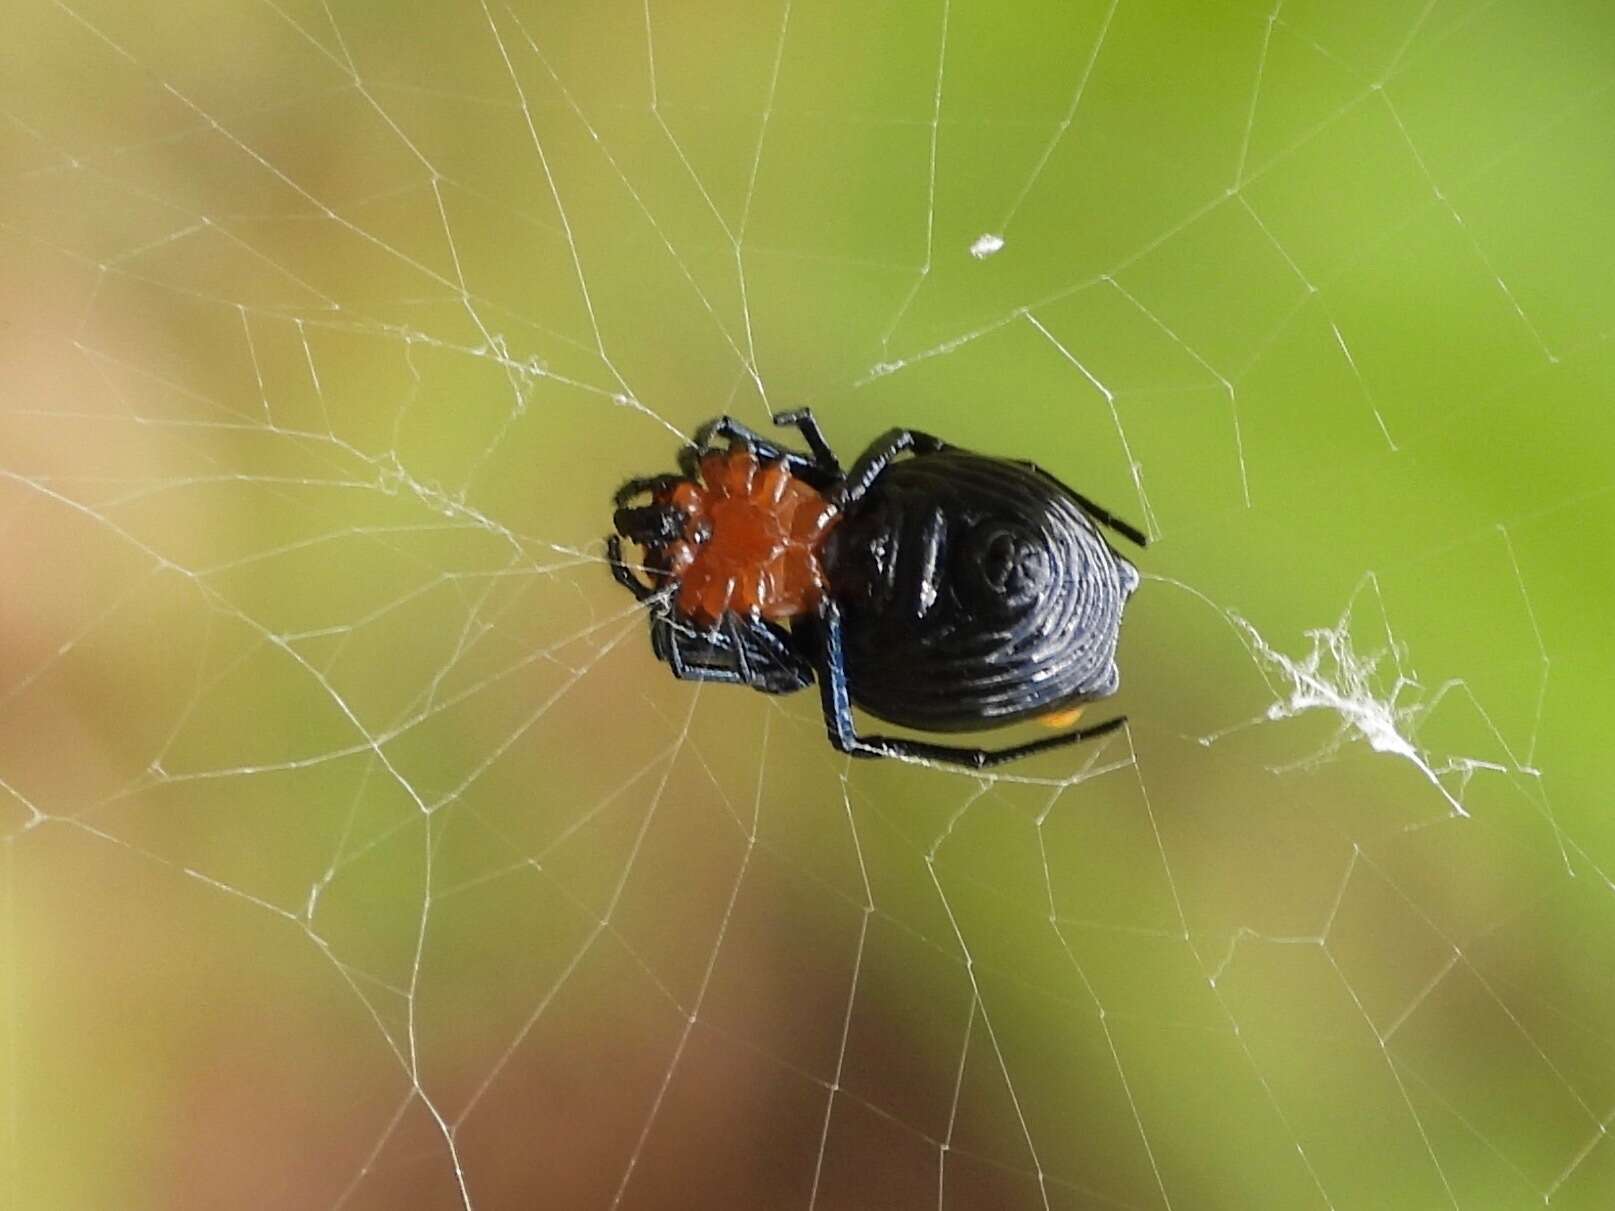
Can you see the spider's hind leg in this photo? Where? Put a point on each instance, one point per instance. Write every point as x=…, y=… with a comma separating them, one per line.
x=1095, y=510
x=844, y=735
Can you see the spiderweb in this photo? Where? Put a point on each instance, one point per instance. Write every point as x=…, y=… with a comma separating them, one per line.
x=357, y=854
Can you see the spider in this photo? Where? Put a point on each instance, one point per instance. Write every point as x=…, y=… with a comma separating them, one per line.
x=935, y=588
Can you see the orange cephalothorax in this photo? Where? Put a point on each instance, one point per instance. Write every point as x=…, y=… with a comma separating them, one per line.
x=752, y=536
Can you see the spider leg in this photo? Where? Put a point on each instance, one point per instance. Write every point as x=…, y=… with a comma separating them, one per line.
x=691, y=656
x=844, y=736
x=782, y=669
x=739, y=652
x=689, y=459
x=624, y=574
x=811, y=470
x=806, y=424
x=1098, y=512
x=878, y=457
x=737, y=433
x=647, y=483
x=731, y=631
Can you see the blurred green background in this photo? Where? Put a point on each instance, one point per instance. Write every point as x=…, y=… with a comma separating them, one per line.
x=355, y=852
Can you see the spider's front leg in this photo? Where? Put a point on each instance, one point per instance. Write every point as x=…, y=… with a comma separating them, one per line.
x=803, y=420
x=738, y=651
x=821, y=470
x=642, y=483
x=624, y=574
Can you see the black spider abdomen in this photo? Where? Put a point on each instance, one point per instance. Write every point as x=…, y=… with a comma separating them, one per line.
x=974, y=592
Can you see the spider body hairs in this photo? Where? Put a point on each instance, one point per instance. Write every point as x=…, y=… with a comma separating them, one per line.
x=935, y=588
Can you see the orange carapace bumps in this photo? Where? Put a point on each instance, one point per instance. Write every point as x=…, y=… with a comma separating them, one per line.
x=753, y=533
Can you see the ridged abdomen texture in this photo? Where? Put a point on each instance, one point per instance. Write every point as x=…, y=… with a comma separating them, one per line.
x=974, y=592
